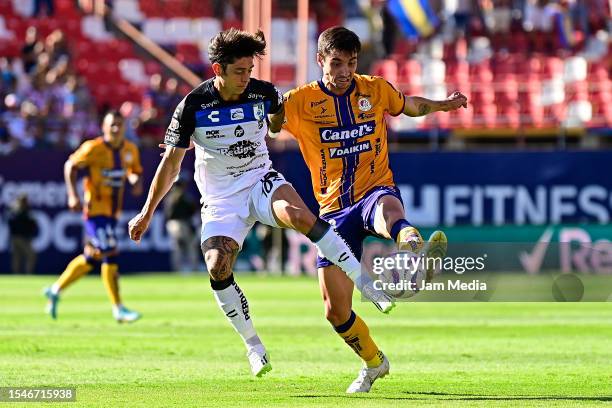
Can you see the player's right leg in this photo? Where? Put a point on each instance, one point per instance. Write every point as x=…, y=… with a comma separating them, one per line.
x=220, y=253
x=282, y=206
x=337, y=291
x=390, y=222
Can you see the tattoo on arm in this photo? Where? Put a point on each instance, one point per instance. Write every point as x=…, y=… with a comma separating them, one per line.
x=220, y=254
x=424, y=109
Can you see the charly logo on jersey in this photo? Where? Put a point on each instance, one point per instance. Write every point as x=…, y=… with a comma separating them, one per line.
x=242, y=149
x=237, y=114
x=258, y=111
x=336, y=134
x=127, y=157
x=239, y=131
x=336, y=152
x=364, y=104
x=213, y=116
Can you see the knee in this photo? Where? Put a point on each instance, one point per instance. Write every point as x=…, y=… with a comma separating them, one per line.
x=217, y=269
x=337, y=314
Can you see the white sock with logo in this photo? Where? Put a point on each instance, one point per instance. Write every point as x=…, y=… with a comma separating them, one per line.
x=334, y=248
x=235, y=306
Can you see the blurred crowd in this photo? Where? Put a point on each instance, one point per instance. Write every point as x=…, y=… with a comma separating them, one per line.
x=45, y=104
x=569, y=24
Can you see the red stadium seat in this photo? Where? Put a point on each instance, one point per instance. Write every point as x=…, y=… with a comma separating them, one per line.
x=283, y=74
x=387, y=69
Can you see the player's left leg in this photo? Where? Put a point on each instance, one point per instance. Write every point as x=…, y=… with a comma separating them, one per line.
x=282, y=206
x=337, y=291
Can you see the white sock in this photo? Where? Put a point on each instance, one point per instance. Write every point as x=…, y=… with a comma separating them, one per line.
x=55, y=289
x=235, y=305
x=337, y=251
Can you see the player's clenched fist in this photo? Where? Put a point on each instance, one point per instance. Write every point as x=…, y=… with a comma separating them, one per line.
x=138, y=226
x=454, y=101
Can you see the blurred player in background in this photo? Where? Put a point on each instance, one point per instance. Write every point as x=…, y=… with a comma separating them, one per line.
x=109, y=161
x=226, y=117
x=339, y=123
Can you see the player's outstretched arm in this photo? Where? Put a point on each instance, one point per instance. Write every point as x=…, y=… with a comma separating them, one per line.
x=419, y=106
x=166, y=173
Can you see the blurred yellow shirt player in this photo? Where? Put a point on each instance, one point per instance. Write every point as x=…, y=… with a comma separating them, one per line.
x=108, y=161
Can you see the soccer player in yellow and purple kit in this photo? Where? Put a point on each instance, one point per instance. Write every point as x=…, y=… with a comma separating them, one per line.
x=109, y=161
x=339, y=123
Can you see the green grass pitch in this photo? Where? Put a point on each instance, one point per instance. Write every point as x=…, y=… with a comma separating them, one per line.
x=183, y=353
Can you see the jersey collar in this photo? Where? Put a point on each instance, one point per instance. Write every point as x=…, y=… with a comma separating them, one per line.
x=327, y=91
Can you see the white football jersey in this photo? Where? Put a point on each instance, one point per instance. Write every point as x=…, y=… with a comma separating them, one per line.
x=231, y=151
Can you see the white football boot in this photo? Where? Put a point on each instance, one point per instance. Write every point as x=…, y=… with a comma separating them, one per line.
x=124, y=315
x=437, y=245
x=259, y=360
x=381, y=300
x=52, y=300
x=367, y=376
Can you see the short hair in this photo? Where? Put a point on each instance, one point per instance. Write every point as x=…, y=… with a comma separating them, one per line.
x=229, y=45
x=338, y=38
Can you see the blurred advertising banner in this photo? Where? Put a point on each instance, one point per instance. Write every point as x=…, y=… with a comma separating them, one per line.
x=476, y=197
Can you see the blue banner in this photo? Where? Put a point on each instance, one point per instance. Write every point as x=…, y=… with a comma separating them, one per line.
x=438, y=189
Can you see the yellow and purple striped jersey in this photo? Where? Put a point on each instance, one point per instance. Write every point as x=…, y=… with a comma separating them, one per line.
x=107, y=170
x=343, y=138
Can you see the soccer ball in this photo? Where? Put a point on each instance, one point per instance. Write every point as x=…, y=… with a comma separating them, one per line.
x=405, y=278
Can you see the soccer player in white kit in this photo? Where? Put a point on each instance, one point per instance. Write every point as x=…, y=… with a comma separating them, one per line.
x=227, y=118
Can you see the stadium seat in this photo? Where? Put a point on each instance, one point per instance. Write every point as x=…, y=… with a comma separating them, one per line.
x=409, y=73
x=129, y=10
x=433, y=72
x=575, y=69
x=93, y=28
x=180, y=30
x=132, y=70
x=387, y=69
x=155, y=29
x=5, y=33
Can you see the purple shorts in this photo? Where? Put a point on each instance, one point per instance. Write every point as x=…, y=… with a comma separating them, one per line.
x=356, y=222
x=100, y=233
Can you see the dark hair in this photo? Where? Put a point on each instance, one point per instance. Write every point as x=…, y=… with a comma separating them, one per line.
x=338, y=38
x=229, y=45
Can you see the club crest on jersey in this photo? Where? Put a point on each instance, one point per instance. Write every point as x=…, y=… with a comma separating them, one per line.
x=364, y=104
x=258, y=111
x=237, y=114
x=337, y=134
x=336, y=152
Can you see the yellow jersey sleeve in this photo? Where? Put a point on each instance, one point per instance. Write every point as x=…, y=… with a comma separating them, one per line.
x=84, y=155
x=393, y=100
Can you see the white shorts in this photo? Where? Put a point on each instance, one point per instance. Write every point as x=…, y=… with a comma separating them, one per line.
x=234, y=216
